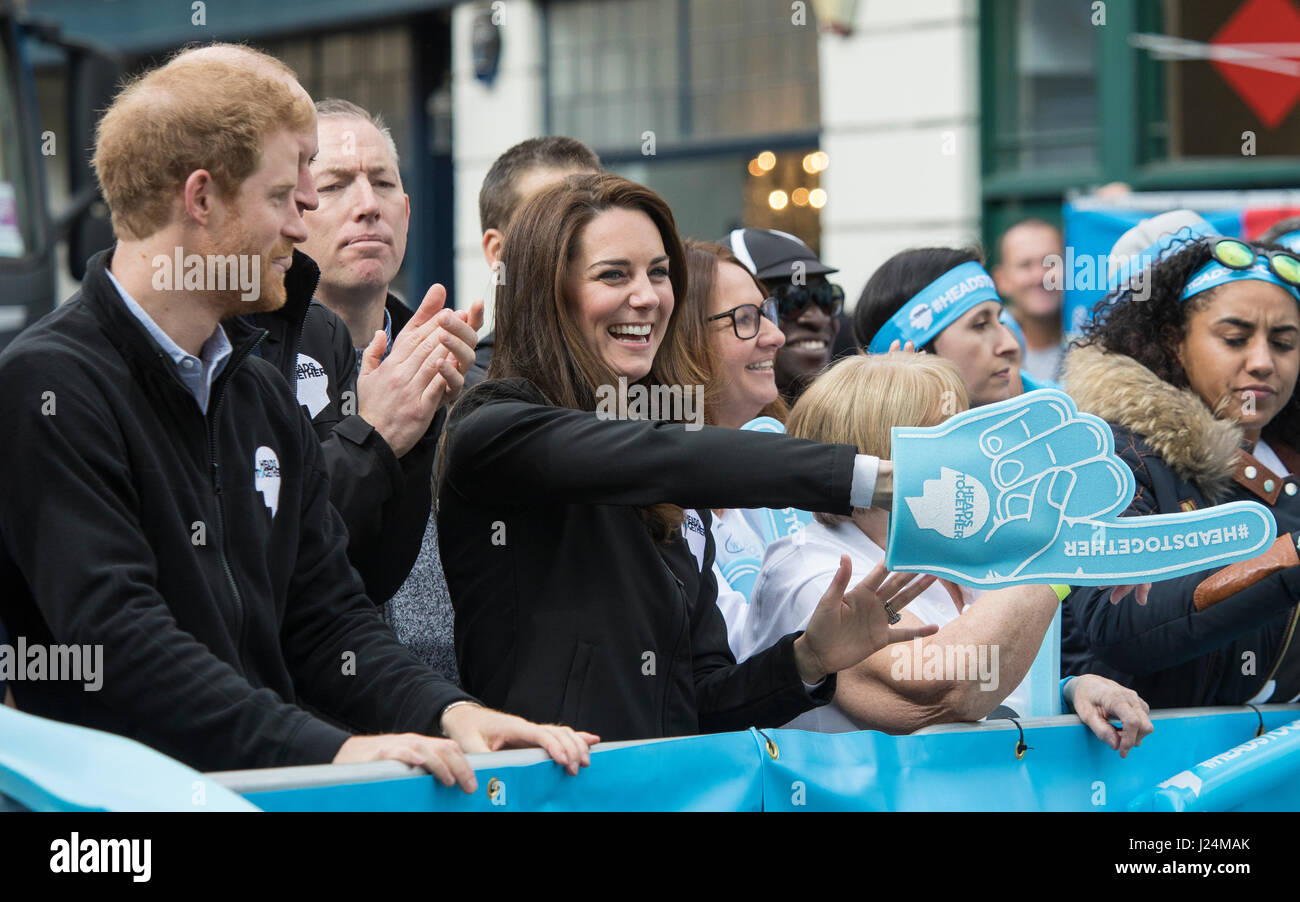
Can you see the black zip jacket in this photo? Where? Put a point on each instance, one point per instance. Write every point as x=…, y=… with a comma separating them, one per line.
x=201, y=552
x=1170, y=653
x=566, y=608
x=385, y=501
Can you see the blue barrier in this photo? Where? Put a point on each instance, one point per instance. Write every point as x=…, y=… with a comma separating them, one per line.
x=50, y=766
x=961, y=767
x=1262, y=768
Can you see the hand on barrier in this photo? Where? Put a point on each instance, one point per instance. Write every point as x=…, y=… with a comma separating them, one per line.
x=477, y=730
x=440, y=757
x=1098, y=701
x=847, y=627
x=1029, y=490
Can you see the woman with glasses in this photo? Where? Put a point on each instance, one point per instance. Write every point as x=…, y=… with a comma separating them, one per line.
x=941, y=300
x=808, y=304
x=737, y=337
x=578, y=595
x=1198, y=382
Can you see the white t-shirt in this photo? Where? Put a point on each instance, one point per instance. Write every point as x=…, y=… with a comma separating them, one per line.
x=792, y=582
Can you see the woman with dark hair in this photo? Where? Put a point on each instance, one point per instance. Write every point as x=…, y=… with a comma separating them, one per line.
x=942, y=301
x=577, y=596
x=1198, y=383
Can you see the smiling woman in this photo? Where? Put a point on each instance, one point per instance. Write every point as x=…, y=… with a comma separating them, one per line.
x=584, y=593
x=1198, y=382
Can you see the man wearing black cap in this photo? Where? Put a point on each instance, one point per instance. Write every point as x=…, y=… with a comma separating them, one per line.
x=810, y=305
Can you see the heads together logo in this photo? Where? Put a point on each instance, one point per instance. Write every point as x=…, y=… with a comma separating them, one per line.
x=210, y=272
x=266, y=477
x=674, y=403
x=955, y=505
x=931, y=310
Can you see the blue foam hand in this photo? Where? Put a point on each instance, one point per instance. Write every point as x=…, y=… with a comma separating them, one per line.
x=1029, y=490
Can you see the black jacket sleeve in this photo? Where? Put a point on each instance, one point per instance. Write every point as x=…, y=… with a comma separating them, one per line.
x=763, y=690
x=329, y=622
x=1168, y=630
x=384, y=501
x=506, y=446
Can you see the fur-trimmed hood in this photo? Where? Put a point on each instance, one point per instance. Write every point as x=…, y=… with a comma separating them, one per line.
x=1174, y=422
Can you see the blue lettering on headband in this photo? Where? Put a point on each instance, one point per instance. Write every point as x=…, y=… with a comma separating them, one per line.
x=1214, y=274
x=936, y=307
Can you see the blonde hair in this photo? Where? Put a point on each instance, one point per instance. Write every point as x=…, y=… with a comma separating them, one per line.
x=203, y=110
x=861, y=398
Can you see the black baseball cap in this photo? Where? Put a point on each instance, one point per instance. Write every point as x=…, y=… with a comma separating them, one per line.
x=772, y=254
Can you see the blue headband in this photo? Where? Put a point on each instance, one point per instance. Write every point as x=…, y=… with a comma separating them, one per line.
x=1128, y=267
x=936, y=307
x=1214, y=274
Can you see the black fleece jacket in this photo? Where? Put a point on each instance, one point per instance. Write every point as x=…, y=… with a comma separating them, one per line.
x=384, y=500
x=567, y=609
x=202, y=552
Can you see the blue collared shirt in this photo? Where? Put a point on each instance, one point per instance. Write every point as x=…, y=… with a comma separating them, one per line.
x=197, y=373
x=388, y=336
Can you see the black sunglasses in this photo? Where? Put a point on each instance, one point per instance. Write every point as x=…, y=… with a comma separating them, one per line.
x=747, y=319
x=793, y=300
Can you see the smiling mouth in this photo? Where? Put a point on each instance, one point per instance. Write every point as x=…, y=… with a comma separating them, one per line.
x=631, y=334
x=808, y=344
x=767, y=366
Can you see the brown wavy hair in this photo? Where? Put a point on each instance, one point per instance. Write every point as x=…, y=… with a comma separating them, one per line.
x=702, y=261
x=536, y=336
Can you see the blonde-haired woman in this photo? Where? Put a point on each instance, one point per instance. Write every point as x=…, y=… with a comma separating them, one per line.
x=978, y=660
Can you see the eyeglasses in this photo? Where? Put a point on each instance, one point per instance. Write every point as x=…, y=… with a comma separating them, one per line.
x=793, y=300
x=747, y=318
x=1237, y=254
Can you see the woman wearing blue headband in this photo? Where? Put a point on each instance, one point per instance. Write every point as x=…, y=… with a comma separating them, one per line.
x=942, y=300
x=1196, y=372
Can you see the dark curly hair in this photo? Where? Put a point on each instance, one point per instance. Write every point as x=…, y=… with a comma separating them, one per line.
x=1150, y=327
x=898, y=280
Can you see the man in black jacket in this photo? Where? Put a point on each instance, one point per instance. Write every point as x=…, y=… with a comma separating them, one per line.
x=164, y=496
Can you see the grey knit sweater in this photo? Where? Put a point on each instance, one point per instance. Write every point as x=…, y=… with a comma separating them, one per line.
x=420, y=613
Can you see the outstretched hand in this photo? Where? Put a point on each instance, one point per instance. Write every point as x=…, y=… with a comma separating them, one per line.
x=849, y=626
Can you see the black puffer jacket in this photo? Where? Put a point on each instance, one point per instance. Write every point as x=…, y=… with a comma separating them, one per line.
x=1183, y=458
x=384, y=501
x=566, y=608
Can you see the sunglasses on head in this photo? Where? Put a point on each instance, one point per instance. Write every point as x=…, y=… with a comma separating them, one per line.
x=1240, y=255
x=793, y=300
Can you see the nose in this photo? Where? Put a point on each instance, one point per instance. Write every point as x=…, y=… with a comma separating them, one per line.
x=295, y=229
x=305, y=195
x=1007, y=346
x=769, y=334
x=642, y=294
x=365, y=203
x=1259, y=361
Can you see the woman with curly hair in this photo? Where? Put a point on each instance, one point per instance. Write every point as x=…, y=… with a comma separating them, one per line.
x=1198, y=383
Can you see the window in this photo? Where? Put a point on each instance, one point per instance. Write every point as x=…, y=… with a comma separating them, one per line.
x=17, y=225
x=1184, y=73
x=691, y=71
x=1045, y=78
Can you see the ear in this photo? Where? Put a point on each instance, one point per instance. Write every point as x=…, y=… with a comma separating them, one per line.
x=201, y=197
x=493, y=241
x=408, y=209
